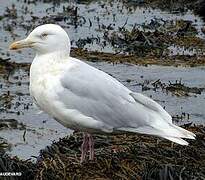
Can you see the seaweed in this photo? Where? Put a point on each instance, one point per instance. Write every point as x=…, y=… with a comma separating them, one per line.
x=124, y=157
x=25, y=169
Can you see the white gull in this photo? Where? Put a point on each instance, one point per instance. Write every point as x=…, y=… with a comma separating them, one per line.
x=83, y=98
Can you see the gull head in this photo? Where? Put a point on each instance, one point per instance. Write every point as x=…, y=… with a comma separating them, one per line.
x=45, y=39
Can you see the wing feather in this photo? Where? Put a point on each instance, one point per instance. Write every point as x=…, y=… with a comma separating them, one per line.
x=98, y=95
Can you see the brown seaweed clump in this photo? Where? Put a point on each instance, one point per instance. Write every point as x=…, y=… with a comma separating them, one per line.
x=94, y=56
x=156, y=39
x=125, y=157
x=128, y=156
x=6, y=66
x=14, y=165
x=176, y=88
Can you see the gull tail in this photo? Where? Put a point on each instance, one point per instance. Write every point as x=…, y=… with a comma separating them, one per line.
x=160, y=123
x=177, y=140
x=170, y=132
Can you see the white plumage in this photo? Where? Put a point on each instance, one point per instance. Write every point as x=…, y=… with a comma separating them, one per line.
x=84, y=98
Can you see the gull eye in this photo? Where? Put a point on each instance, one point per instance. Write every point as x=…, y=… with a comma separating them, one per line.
x=44, y=35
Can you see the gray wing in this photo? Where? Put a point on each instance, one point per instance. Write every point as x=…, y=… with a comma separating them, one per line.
x=96, y=94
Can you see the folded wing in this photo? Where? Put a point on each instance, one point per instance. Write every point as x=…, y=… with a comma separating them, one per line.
x=96, y=94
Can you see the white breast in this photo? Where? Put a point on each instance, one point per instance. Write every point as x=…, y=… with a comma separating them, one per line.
x=45, y=85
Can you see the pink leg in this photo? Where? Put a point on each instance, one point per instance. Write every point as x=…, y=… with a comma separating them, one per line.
x=91, y=147
x=84, y=147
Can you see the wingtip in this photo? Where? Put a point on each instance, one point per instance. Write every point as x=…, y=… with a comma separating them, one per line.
x=178, y=140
